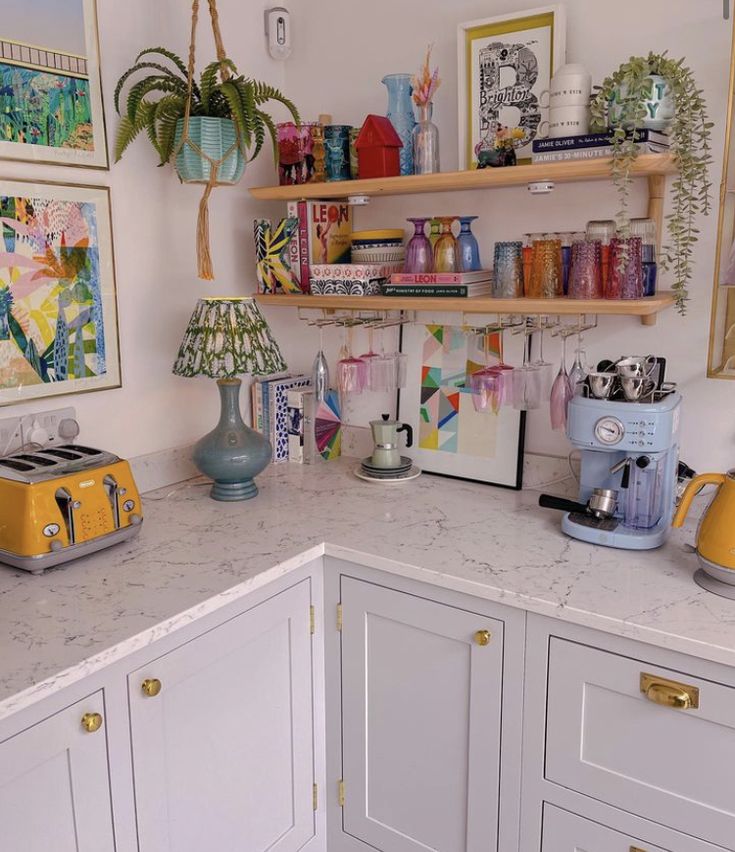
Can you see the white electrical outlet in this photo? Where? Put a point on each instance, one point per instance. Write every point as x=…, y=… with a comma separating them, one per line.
x=39, y=428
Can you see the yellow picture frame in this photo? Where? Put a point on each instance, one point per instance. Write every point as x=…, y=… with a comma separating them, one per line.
x=549, y=56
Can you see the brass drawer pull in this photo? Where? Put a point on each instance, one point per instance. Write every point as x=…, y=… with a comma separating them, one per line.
x=669, y=693
x=151, y=686
x=91, y=722
x=483, y=637
x=636, y=849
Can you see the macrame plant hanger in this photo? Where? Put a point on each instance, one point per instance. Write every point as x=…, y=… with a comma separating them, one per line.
x=204, y=255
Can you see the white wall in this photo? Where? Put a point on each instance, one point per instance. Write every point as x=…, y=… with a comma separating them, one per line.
x=342, y=50
x=154, y=220
x=344, y=47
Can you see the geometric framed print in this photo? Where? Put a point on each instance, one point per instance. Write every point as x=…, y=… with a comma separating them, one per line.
x=504, y=64
x=50, y=90
x=58, y=303
x=449, y=436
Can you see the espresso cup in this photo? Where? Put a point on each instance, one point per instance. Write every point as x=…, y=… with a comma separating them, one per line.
x=636, y=388
x=636, y=366
x=601, y=384
x=565, y=121
x=570, y=86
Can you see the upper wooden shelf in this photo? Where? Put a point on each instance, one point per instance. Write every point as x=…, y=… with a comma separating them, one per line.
x=646, y=309
x=647, y=165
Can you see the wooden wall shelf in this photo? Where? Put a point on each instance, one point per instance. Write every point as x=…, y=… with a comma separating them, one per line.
x=646, y=309
x=647, y=165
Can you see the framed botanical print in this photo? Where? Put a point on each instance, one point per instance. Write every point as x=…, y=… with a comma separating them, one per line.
x=504, y=65
x=450, y=436
x=58, y=306
x=50, y=89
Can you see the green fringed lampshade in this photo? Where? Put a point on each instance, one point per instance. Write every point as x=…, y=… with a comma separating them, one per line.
x=227, y=338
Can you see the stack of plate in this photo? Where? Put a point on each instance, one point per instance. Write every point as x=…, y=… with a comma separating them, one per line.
x=406, y=470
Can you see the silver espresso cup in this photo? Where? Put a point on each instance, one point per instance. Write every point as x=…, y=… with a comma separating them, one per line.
x=635, y=387
x=636, y=366
x=601, y=384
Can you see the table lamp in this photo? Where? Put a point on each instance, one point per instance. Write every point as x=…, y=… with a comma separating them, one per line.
x=227, y=338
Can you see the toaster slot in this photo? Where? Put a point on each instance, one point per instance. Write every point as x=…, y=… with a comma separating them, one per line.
x=113, y=495
x=65, y=502
x=85, y=451
x=11, y=464
x=67, y=455
x=39, y=461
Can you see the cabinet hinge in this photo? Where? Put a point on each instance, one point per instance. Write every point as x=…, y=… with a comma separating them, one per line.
x=312, y=620
x=339, y=616
x=341, y=793
x=315, y=796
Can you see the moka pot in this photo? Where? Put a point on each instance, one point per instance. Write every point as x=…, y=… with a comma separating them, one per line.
x=386, y=452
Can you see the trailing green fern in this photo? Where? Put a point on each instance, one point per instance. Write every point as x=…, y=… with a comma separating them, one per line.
x=238, y=98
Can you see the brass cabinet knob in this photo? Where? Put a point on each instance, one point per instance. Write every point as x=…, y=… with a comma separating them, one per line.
x=669, y=693
x=92, y=722
x=151, y=686
x=483, y=637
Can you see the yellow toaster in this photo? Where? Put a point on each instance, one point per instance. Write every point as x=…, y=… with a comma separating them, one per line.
x=63, y=502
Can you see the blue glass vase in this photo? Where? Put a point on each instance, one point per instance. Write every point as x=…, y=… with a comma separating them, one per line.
x=401, y=115
x=469, y=250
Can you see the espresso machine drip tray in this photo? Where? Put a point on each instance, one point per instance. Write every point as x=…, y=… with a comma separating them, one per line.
x=602, y=524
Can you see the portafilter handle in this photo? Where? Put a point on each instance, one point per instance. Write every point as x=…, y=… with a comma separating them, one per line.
x=548, y=501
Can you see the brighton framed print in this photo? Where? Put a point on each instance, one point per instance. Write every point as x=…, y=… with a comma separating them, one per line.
x=50, y=89
x=450, y=436
x=58, y=306
x=504, y=64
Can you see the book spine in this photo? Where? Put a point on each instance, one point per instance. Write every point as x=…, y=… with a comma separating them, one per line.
x=304, y=245
x=296, y=426
x=426, y=278
x=594, y=140
x=460, y=290
x=585, y=154
x=258, y=409
x=294, y=246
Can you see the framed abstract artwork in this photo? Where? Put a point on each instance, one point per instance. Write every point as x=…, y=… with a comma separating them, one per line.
x=504, y=65
x=450, y=437
x=50, y=89
x=58, y=306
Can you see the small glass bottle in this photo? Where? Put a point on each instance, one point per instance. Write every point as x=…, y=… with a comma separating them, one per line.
x=566, y=259
x=527, y=255
x=646, y=230
x=425, y=140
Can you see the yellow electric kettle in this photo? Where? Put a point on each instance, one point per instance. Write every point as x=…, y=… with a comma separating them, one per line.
x=716, y=533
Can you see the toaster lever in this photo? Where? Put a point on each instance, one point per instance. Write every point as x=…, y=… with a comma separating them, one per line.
x=65, y=502
x=113, y=495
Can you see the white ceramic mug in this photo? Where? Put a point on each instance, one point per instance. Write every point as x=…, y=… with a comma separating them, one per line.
x=565, y=121
x=570, y=86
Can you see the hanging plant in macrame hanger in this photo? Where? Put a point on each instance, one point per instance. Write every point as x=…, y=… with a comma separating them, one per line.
x=206, y=129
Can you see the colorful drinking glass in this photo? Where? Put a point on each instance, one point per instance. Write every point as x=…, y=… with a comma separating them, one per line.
x=469, y=249
x=585, y=277
x=508, y=270
x=625, y=278
x=546, y=271
x=445, y=250
x=419, y=255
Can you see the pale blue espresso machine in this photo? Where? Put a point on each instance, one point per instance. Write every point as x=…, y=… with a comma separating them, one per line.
x=630, y=453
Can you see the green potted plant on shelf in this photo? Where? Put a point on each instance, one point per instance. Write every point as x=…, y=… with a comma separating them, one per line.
x=661, y=93
x=208, y=128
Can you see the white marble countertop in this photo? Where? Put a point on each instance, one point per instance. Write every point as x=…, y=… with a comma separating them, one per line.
x=195, y=555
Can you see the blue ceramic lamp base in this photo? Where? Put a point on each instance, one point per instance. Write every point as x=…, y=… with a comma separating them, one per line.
x=232, y=454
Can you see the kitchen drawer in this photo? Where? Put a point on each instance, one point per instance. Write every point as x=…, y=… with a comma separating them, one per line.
x=567, y=832
x=605, y=738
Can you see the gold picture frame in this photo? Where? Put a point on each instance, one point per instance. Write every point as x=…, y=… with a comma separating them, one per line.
x=721, y=351
x=51, y=86
x=59, y=331
x=533, y=48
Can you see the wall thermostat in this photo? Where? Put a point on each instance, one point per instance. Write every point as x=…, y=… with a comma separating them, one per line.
x=278, y=32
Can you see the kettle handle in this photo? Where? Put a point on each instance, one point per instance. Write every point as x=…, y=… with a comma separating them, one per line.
x=694, y=487
x=404, y=427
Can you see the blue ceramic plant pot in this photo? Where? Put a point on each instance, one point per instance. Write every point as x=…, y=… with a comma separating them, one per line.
x=214, y=136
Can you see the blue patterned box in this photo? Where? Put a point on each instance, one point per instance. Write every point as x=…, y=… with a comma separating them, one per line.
x=278, y=401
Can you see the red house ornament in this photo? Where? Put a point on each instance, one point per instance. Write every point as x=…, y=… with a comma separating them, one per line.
x=378, y=148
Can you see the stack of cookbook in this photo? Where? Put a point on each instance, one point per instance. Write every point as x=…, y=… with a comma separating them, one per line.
x=433, y=284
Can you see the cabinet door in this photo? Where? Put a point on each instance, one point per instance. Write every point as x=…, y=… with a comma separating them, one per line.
x=421, y=722
x=55, y=786
x=565, y=832
x=222, y=754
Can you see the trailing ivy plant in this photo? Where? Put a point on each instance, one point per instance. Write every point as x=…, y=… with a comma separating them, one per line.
x=230, y=96
x=690, y=145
